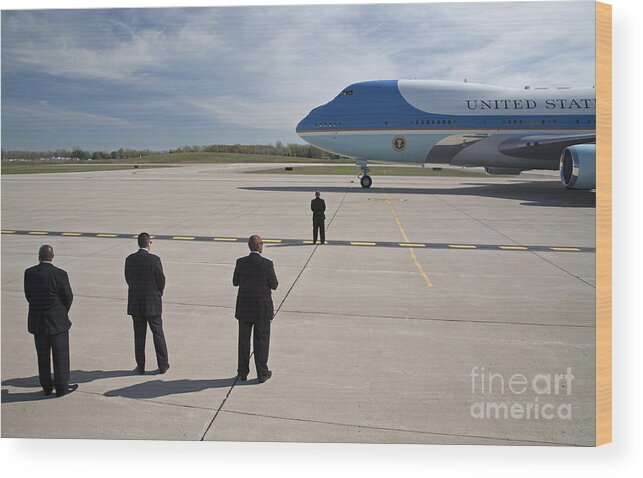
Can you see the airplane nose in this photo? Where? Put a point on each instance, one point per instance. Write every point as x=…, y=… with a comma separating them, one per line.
x=308, y=122
x=303, y=125
x=300, y=127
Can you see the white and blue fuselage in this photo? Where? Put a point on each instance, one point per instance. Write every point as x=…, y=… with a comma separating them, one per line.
x=467, y=124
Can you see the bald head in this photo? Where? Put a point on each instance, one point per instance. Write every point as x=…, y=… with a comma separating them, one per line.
x=317, y=194
x=255, y=243
x=46, y=253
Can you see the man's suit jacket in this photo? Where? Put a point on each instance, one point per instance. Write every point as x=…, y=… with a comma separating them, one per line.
x=255, y=276
x=49, y=295
x=318, y=206
x=146, y=281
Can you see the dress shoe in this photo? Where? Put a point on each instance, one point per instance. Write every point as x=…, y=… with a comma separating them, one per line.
x=263, y=378
x=163, y=370
x=70, y=388
x=243, y=378
x=139, y=370
x=48, y=390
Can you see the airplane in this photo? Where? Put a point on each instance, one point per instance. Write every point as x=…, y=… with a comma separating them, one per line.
x=505, y=130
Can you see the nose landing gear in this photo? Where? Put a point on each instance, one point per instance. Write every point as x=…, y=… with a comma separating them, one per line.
x=364, y=179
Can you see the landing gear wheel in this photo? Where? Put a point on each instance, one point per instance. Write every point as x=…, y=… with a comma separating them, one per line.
x=366, y=181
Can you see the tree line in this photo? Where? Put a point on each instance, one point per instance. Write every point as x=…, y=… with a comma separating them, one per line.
x=278, y=149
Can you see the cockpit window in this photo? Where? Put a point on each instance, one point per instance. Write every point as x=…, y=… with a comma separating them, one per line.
x=346, y=92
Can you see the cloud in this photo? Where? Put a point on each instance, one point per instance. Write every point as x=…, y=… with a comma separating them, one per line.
x=45, y=114
x=266, y=67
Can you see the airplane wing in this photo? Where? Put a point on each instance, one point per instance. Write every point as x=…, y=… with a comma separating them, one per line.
x=475, y=149
x=543, y=146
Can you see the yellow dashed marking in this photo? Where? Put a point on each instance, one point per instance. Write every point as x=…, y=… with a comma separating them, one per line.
x=108, y=235
x=272, y=240
x=8, y=232
x=462, y=246
x=307, y=242
x=404, y=244
x=565, y=249
x=232, y=239
x=419, y=267
x=72, y=234
x=363, y=243
x=514, y=248
x=39, y=233
x=183, y=238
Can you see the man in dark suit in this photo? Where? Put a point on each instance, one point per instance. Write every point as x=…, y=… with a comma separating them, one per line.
x=49, y=295
x=146, y=281
x=318, y=207
x=255, y=277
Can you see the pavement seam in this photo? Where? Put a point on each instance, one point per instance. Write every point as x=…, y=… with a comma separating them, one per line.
x=207, y=429
x=275, y=314
x=535, y=253
x=311, y=255
x=345, y=314
x=348, y=314
x=422, y=432
x=564, y=270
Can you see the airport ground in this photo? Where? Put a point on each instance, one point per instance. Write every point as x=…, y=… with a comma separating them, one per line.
x=378, y=337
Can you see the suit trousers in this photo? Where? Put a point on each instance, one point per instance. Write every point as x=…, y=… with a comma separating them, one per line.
x=140, y=331
x=318, y=224
x=58, y=347
x=260, y=344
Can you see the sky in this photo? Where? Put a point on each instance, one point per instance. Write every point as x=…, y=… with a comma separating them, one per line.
x=160, y=78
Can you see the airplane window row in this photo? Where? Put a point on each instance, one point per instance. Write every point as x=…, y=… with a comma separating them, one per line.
x=328, y=125
x=549, y=121
x=417, y=122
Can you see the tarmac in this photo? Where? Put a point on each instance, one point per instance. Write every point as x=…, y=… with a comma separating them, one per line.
x=428, y=290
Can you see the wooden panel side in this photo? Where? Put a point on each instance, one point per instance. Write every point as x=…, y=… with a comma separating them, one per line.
x=603, y=223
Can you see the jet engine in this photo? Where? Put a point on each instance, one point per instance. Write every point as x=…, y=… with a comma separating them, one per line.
x=578, y=166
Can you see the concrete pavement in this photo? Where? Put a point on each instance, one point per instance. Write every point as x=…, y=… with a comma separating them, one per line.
x=363, y=348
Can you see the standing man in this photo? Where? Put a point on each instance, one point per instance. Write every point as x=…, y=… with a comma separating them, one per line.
x=255, y=277
x=49, y=295
x=146, y=281
x=318, y=206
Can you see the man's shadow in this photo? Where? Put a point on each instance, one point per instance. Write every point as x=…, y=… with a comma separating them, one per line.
x=161, y=388
x=76, y=376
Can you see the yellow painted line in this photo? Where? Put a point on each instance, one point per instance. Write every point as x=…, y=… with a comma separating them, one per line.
x=462, y=246
x=272, y=240
x=363, y=243
x=565, y=249
x=39, y=233
x=418, y=266
x=8, y=232
x=403, y=244
x=72, y=233
x=307, y=242
x=108, y=235
x=514, y=248
x=183, y=238
x=224, y=239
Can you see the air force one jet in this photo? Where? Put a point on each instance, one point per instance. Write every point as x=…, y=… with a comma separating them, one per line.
x=505, y=130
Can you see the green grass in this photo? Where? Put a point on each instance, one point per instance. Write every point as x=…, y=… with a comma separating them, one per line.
x=219, y=158
x=155, y=160
x=40, y=167
x=375, y=171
